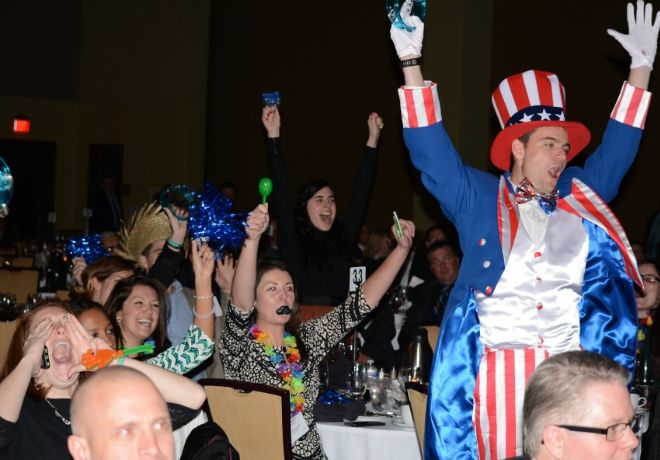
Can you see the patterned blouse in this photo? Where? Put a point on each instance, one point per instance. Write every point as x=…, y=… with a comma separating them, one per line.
x=244, y=359
x=195, y=348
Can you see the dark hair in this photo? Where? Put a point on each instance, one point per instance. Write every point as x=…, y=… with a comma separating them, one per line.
x=103, y=268
x=115, y=303
x=227, y=184
x=445, y=244
x=15, y=352
x=82, y=302
x=432, y=228
x=316, y=246
x=293, y=325
x=524, y=139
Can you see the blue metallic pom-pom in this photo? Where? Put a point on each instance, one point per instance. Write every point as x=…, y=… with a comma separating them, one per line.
x=90, y=247
x=213, y=221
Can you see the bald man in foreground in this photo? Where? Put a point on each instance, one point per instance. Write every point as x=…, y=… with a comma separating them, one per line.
x=119, y=413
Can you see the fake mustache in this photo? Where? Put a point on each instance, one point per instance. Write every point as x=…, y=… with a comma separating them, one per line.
x=284, y=310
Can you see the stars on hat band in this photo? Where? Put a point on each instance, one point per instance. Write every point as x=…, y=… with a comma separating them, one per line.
x=537, y=113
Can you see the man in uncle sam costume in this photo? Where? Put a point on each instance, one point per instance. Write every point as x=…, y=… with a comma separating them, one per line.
x=547, y=266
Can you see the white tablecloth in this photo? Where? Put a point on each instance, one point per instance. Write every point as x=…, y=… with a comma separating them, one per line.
x=369, y=443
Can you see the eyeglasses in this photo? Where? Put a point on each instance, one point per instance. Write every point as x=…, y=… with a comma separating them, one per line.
x=651, y=278
x=612, y=433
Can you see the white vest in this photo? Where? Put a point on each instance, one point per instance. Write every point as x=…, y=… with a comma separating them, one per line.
x=535, y=303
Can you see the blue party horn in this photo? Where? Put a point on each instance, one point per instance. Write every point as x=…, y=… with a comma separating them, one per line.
x=271, y=98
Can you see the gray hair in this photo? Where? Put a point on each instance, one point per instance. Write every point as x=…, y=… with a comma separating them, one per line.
x=555, y=390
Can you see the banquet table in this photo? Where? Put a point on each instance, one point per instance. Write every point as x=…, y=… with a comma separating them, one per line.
x=390, y=441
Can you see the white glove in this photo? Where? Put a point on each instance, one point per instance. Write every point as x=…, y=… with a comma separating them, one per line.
x=642, y=39
x=408, y=44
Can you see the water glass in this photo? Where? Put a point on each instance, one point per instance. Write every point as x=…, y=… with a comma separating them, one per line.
x=357, y=381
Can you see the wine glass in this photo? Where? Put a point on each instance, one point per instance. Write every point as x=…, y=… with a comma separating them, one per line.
x=377, y=396
x=324, y=375
x=7, y=307
x=357, y=381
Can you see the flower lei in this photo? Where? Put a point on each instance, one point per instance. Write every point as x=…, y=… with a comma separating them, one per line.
x=286, y=364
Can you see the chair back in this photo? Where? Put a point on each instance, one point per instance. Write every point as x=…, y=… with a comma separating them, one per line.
x=19, y=281
x=433, y=332
x=417, y=394
x=7, y=329
x=10, y=250
x=18, y=262
x=256, y=417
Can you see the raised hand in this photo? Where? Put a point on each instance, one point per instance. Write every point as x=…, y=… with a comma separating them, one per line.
x=375, y=124
x=79, y=266
x=81, y=342
x=408, y=230
x=408, y=44
x=178, y=223
x=642, y=39
x=270, y=117
x=202, y=260
x=224, y=272
x=257, y=222
x=33, y=347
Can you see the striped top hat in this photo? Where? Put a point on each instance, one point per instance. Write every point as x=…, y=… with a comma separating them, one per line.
x=527, y=101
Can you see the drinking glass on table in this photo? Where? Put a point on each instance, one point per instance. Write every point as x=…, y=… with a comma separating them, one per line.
x=357, y=381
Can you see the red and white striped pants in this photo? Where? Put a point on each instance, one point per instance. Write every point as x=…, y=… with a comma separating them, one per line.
x=498, y=399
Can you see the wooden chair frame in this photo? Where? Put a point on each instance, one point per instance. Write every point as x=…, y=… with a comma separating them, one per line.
x=247, y=387
x=414, y=391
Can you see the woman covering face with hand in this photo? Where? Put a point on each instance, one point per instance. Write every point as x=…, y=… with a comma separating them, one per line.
x=263, y=341
x=35, y=391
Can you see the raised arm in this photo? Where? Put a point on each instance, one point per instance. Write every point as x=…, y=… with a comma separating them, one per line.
x=375, y=287
x=175, y=388
x=409, y=46
x=243, y=285
x=364, y=179
x=641, y=42
x=606, y=167
x=284, y=208
x=14, y=387
x=169, y=260
x=203, y=264
x=375, y=125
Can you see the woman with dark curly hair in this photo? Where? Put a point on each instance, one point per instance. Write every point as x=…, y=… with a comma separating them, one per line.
x=313, y=243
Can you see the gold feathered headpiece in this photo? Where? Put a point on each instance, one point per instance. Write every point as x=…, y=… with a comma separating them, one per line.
x=147, y=225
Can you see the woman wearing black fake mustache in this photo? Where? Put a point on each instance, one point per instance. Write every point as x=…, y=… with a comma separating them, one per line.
x=264, y=342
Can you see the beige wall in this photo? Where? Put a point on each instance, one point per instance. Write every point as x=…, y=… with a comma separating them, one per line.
x=142, y=83
x=135, y=73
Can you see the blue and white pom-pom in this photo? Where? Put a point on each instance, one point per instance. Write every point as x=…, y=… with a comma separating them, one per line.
x=212, y=221
x=90, y=247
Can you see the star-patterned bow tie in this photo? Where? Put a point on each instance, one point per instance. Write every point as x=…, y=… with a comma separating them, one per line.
x=525, y=192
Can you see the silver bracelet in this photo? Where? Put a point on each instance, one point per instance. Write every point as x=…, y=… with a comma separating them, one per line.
x=197, y=315
x=204, y=297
